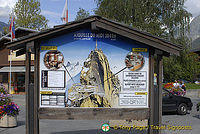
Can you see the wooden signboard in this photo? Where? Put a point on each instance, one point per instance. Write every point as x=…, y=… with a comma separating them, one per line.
x=93, y=70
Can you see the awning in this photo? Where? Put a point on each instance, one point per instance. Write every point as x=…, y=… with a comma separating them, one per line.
x=19, y=69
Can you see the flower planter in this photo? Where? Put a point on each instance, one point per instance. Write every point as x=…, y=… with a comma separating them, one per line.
x=8, y=121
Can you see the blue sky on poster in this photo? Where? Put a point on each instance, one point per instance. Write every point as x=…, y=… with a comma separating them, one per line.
x=52, y=9
x=116, y=58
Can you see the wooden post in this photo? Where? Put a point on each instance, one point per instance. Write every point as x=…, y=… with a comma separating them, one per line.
x=29, y=91
x=160, y=77
x=36, y=87
x=31, y=102
x=155, y=94
x=151, y=91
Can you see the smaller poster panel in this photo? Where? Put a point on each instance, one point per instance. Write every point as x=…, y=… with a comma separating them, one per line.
x=133, y=99
x=53, y=100
x=136, y=81
x=53, y=79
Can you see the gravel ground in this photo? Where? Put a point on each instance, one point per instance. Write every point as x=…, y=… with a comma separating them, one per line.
x=93, y=127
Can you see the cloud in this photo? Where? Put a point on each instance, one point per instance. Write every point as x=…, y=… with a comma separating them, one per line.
x=7, y=3
x=4, y=12
x=193, y=6
x=5, y=9
x=54, y=17
x=50, y=13
x=55, y=0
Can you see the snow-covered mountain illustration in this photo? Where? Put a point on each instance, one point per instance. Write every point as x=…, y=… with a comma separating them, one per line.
x=74, y=69
x=76, y=79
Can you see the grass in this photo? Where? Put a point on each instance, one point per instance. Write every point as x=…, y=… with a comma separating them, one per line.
x=192, y=86
x=189, y=86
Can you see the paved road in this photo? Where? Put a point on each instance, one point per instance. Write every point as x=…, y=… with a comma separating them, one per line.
x=192, y=119
x=93, y=127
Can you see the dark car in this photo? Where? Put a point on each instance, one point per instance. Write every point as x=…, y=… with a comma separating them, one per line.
x=172, y=102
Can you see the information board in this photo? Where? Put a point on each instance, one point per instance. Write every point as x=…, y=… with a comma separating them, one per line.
x=85, y=69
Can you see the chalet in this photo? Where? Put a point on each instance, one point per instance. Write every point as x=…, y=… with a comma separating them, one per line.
x=17, y=62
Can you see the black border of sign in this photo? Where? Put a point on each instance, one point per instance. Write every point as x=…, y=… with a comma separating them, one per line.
x=47, y=81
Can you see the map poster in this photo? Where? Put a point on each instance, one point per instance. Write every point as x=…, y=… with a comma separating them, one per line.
x=85, y=69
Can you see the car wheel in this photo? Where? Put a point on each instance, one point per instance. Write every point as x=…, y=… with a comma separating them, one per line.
x=182, y=109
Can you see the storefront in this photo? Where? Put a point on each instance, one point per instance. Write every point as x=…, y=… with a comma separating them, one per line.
x=18, y=78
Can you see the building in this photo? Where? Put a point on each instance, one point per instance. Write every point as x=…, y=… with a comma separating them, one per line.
x=196, y=46
x=17, y=63
x=196, y=49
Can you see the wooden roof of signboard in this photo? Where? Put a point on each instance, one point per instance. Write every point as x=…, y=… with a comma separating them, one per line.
x=95, y=23
x=19, y=32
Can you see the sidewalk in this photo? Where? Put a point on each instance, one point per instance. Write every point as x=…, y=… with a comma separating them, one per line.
x=87, y=126
x=60, y=126
x=193, y=93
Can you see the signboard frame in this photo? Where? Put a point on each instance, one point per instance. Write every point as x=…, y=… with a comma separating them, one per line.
x=97, y=113
x=89, y=113
x=157, y=47
x=133, y=57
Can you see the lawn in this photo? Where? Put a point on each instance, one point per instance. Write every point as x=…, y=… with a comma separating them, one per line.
x=192, y=86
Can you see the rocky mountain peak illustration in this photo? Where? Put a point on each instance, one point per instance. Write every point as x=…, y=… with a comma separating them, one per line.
x=98, y=87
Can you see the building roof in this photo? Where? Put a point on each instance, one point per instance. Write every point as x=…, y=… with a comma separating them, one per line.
x=15, y=69
x=19, y=32
x=96, y=23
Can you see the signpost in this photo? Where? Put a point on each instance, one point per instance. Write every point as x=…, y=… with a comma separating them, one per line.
x=94, y=69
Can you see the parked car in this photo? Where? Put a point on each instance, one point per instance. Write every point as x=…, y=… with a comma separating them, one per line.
x=176, y=103
x=198, y=106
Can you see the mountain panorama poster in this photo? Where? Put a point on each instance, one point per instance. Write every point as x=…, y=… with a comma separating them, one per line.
x=85, y=69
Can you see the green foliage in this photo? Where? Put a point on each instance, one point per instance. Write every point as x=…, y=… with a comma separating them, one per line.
x=166, y=19
x=186, y=66
x=163, y=18
x=5, y=30
x=81, y=14
x=192, y=86
x=28, y=15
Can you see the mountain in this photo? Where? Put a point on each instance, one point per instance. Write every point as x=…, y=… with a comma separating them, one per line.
x=195, y=33
x=98, y=86
x=74, y=68
x=195, y=28
x=2, y=24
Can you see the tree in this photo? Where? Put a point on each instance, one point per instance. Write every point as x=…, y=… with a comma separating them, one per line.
x=28, y=15
x=81, y=14
x=5, y=30
x=166, y=19
x=163, y=18
x=186, y=66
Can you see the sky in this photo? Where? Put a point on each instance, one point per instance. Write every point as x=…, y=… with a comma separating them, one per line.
x=52, y=9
